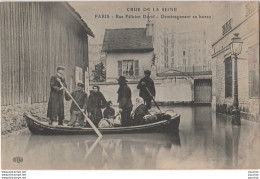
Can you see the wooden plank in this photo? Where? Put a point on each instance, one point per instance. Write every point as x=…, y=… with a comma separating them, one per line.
x=3, y=54
x=12, y=54
x=30, y=47
x=8, y=41
x=17, y=26
x=26, y=52
x=22, y=95
x=37, y=54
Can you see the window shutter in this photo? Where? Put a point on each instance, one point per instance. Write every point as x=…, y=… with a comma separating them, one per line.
x=136, y=68
x=119, y=68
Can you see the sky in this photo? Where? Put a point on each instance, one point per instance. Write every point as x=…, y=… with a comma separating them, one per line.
x=92, y=12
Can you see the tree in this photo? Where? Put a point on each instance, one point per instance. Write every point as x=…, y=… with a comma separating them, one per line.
x=99, y=72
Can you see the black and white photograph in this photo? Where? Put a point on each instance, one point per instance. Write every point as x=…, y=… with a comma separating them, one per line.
x=120, y=85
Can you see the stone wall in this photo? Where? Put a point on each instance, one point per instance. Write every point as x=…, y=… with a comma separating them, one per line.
x=179, y=90
x=12, y=115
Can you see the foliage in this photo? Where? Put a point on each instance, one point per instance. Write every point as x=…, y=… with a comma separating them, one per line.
x=99, y=72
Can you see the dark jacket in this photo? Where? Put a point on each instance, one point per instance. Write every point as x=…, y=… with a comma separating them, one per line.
x=109, y=112
x=80, y=97
x=143, y=91
x=56, y=99
x=139, y=114
x=124, y=97
x=96, y=101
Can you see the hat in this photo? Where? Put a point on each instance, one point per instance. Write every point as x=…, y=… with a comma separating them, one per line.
x=147, y=72
x=60, y=68
x=122, y=79
x=80, y=84
x=96, y=87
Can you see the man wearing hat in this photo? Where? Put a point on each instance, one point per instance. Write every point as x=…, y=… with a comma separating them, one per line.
x=124, y=100
x=147, y=88
x=96, y=102
x=56, y=100
x=81, y=98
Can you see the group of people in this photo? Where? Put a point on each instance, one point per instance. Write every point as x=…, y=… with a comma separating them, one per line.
x=93, y=104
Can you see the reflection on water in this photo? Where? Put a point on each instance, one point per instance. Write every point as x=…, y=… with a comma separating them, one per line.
x=205, y=141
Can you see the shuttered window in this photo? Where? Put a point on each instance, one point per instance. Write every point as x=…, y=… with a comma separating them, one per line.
x=228, y=77
x=119, y=68
x=128, y=68
x=136, y=68
x=253, y=64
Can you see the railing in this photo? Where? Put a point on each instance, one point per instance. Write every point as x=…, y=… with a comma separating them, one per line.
x=191, y=69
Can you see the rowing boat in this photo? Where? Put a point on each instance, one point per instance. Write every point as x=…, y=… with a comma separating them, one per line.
x=37, y=126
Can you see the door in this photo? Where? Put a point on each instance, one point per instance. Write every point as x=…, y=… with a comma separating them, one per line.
x=202, y=91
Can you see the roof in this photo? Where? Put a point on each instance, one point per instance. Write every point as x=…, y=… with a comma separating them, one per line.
x=129, y=39
x=79, y=19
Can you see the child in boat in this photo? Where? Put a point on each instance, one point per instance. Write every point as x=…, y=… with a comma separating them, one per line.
x=109, y=111
x=110, y=119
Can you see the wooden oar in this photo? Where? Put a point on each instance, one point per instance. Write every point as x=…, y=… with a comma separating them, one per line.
x=89, y=121
x=153, y=99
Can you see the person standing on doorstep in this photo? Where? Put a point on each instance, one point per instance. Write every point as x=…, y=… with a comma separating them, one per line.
x=96, y=102
x=124, y=100
x=144, y=85
x=56, y=99
x=81, y=99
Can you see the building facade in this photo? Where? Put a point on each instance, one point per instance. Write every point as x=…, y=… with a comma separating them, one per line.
x=242, y=18
x=36, y=37
x=188, y=50
x=128, y=52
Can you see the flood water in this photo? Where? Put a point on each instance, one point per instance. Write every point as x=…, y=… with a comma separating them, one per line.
x=205, y=141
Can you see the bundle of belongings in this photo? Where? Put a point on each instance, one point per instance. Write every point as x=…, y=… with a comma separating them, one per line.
x=110, y=122
x=140, y=115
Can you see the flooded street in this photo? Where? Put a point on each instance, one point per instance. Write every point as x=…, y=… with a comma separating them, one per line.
x=205, y=141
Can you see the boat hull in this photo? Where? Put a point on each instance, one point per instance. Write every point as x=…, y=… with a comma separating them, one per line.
x=41, y=128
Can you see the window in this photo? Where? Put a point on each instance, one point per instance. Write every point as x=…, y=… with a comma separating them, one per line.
x=253, y=64
x=128, y=68
x=228, y=77
x=119, y=68
x=183, y=53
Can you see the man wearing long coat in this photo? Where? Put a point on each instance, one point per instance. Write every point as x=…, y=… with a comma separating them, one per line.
x=144, y=85
x=125, y=102
x=56, y=99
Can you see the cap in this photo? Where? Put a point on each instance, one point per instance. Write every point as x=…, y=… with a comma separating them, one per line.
x=96, y=87
x=60, y=68
x=80, y=84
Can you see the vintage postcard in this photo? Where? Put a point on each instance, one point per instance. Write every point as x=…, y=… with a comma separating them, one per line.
x=130, y=85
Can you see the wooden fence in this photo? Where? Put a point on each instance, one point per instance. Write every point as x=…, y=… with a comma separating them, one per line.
x=36, y=37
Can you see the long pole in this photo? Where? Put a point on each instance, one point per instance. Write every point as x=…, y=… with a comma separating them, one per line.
x=89, y=121
x=153, y=99
x=235, y=112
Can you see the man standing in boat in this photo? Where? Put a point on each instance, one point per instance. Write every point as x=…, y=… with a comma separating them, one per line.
x=124, y=100
x=81, y=98
x=96, y=102
x=147, y=88
x=56, y=100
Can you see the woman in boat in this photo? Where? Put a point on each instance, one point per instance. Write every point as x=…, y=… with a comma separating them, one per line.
x=139, y=111
x=95, y=103
x=109, y=111
x=124, y=100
